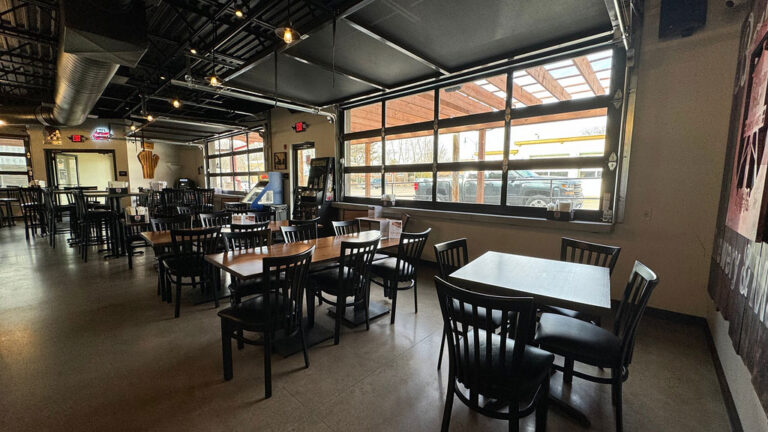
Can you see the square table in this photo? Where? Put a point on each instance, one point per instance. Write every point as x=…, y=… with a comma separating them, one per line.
x=573, y=286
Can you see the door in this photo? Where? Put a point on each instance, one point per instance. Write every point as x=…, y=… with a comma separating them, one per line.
x=302, y=155
x=67, y=172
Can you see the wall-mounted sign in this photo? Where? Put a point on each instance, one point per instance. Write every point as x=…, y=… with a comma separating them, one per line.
x=52, y=136
x=101, y=134
x=78, y=138
x=300, y=127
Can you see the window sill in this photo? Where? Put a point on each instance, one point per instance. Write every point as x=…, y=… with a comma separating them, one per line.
x=528, y=222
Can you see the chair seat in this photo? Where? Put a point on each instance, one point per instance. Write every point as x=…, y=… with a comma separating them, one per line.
x=184, y=267
x=533, y=370
x=387, y=269
x=379, y=257
x=578, y=340
x=328, y=281
x=482, y=317
x=247, y=287
x=252, y=313
x=569, y=313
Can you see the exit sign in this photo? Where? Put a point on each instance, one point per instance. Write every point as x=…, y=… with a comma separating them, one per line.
x=78, y=138
x=300, y=127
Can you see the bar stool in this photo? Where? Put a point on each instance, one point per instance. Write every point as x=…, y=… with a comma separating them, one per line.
x=33, y=210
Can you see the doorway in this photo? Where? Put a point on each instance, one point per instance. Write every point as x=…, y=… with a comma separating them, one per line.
x=302, y=155
x=80, y=168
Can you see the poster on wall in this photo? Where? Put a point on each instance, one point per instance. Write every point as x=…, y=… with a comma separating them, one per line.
x=738, y=281
x=51, y=136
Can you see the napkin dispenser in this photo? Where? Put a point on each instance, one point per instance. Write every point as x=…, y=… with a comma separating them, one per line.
x=117, y=187
x=136, y=214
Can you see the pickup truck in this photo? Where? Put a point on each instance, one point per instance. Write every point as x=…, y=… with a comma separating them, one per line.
x=524, y=188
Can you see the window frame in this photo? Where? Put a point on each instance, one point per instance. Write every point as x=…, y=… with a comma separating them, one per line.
x=26, y=155
x=263, y=130
x=612, y=102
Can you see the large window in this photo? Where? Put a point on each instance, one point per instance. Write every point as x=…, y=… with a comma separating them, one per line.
x=509, y=142
x=13, y=162
x=235, y=161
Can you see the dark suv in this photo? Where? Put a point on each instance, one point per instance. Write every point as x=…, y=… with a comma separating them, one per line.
x=524, y=188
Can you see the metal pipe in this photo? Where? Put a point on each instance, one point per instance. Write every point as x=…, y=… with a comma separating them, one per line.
x=250, y=95
x=192, y=122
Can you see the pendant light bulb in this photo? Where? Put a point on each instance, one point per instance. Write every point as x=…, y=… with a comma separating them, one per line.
x=150, y=117
x=133, y=127
x=239, y=13
x=214, y=80
x=287, y=34
x=193, y=51
x=176, y=103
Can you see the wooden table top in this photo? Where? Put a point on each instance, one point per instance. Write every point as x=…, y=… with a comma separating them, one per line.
x=248, y=264
x=557, y=283
x=163, y=238
x=9, y=199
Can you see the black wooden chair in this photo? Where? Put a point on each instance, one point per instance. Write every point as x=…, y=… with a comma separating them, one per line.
x=239, y=241
x=33, y=210
x=204, y=200
x=499, y=366
x=184, y=210
x=218, y=219
x=394, y=271
x=297, y=233
x=94, y=225
x=166, y=224
x=451, y=256
x=582, y=252
x=350, y=279
x=311, y=222
x=278, y=309
x=580, y=341
x=187, y=262
x=133, y=239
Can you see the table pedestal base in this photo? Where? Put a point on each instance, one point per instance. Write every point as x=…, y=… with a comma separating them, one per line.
x=312, y=335
x=354, y=317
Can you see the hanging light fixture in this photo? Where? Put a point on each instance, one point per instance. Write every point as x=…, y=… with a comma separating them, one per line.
x=239, y=13
x=133, y=127
x=288, y=34
x=150, y=118
x=193, y=51
x=213, y=79
x=176, y=103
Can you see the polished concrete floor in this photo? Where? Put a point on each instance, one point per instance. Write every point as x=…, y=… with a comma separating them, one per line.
x=89, y=346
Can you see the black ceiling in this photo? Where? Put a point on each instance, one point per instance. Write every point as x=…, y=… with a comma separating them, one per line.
x=380, y=44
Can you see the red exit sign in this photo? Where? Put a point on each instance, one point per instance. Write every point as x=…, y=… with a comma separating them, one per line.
x=300, y=127
x=78, y=138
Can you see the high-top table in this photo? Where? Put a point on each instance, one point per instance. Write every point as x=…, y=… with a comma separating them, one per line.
x=574, y=286
x=248, y=264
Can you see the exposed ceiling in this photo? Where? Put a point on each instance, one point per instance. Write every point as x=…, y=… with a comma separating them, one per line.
x=379, y=44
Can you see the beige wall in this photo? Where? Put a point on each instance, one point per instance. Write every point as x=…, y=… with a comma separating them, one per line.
x=175, y=161
x=95, y=169
x=117, y=144
x=320, y=131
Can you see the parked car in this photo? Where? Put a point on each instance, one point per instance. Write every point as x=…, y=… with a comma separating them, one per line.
x=524, y=188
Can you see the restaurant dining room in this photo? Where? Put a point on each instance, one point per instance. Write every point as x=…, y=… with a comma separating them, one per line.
x=383, y=215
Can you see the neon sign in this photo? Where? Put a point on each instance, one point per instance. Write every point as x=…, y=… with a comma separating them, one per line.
x=101, y=134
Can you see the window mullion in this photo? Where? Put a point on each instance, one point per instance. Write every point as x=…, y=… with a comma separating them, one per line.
x=507, y=139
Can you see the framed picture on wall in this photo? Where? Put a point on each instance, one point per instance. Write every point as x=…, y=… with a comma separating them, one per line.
x=280, y=161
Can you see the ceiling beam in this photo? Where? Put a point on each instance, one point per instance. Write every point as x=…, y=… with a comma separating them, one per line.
x=543, y=77
x=396, y=46
x=264, y=55
x=518, y=93
x=482, y=95
x=23, y=84
x=336, y=70
x=585, y=68
x=25, y=35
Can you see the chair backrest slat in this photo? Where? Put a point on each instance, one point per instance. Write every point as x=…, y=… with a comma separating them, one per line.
x=451, y=256
x=641, y=284
x=355, y=267
x=297, y=233
x=583, y=252
x=215, y=219
x=194, y=243
x=286, y=280
x=346, y=227
x=166, y=224
x=475, y=350
x=409, y=252
x=241, y=240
